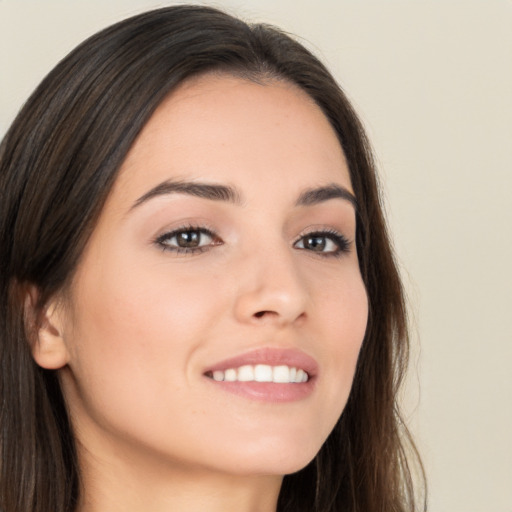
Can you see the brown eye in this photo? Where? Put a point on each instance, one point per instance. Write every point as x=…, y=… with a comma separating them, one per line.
x=315, y=243
x=187, y=240
x=326, y=243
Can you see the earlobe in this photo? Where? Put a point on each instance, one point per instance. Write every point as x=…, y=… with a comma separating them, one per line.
x=45, y=329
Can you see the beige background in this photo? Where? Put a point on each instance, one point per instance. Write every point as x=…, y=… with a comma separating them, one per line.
x=433, y=83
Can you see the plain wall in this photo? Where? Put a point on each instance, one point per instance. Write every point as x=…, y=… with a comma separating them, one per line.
x=432, y=81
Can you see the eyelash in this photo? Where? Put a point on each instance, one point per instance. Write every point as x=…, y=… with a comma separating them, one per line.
x=342, y=243
x=162, y=239
x=340, y=240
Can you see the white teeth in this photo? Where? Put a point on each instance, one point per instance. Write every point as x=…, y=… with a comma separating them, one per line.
x=246, y=373
x=263, y=373
x=281, y=374
x=230, y=375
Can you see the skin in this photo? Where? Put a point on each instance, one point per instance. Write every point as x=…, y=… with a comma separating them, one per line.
x=141, y=324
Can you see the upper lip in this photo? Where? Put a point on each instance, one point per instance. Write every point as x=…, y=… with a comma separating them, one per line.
x=270, y=356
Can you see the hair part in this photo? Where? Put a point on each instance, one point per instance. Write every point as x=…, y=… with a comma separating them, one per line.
x=58, y=163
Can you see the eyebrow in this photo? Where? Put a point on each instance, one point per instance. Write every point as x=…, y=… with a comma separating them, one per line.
x=318, y=195
x=226, y=193
x=203, y=190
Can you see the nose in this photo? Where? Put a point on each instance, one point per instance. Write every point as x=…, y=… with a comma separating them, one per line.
x=271, y=289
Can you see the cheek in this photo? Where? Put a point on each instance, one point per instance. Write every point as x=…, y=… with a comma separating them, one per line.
x=136, y=329
x=343, y=310
x=343, y=320
x=134, y=299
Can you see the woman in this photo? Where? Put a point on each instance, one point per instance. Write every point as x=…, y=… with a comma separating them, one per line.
x=200, y=307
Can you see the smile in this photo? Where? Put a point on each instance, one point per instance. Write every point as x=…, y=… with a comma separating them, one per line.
x=268, y=374
x=281, y=374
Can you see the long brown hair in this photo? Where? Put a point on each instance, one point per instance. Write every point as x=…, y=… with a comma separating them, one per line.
x=58, y=163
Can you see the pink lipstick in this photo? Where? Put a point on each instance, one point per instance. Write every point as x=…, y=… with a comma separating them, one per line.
x=273, y=375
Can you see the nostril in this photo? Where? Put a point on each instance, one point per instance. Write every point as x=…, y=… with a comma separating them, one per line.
x=260, y=314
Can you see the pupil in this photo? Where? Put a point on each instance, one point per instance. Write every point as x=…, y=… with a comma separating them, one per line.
x=188, y=239
x=317, y=243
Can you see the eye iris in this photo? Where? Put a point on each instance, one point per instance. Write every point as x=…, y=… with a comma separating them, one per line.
x=315, y=243
x=188, y=239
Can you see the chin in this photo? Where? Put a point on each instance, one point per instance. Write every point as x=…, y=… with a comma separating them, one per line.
x=276, y=458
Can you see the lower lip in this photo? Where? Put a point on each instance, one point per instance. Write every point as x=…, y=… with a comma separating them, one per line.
x=267, y=391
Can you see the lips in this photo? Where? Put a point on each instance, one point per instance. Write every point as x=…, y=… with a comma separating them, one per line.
x=274, y=375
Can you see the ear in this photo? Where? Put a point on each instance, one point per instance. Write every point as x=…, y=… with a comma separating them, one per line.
x=45, y=328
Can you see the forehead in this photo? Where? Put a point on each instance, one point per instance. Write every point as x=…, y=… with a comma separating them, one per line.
x=230, y=129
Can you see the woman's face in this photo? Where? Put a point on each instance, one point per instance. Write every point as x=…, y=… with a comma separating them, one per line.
x=224, y=257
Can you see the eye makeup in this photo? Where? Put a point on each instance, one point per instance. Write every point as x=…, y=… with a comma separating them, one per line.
x=324, y=242
x=196, y=239
x=188, y=239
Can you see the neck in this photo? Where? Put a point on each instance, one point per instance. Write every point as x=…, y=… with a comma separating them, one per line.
x=114, y=486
